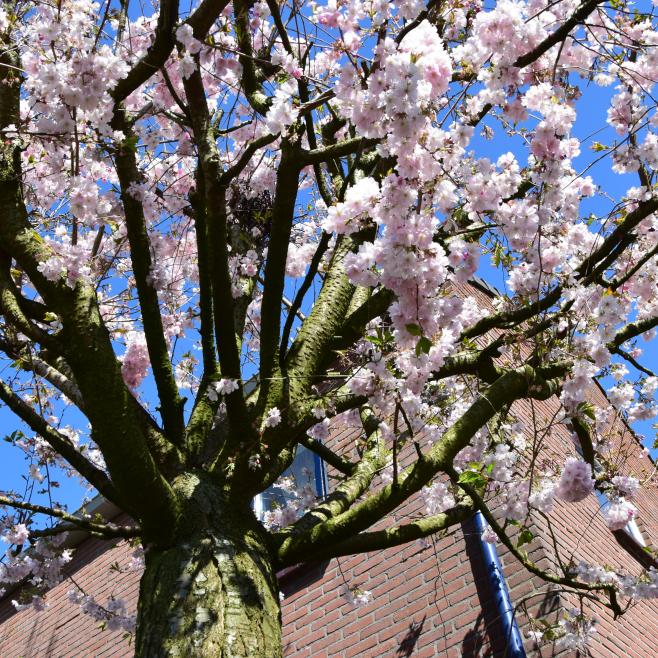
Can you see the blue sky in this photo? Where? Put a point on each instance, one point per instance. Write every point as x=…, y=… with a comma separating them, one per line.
x=590, y=127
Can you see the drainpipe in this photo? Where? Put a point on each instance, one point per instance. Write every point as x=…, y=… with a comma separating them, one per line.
x=513, y=640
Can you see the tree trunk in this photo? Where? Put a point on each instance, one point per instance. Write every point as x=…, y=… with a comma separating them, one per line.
x=214, y=593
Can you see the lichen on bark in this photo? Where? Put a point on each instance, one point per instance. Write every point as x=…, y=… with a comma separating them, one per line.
x=214, y=591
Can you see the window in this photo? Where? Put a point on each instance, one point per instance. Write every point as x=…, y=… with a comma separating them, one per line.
x=307, y=473
x=631, y=527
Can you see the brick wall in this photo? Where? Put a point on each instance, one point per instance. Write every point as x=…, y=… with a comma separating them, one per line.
x=63, y=630
x=430, y=598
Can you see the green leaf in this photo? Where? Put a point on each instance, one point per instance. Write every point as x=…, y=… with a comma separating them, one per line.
x=525, y=537
x=473, y=478
x=588, y=409
x=550, y=635
x=414, y=329
x=130, y=143
x=423, y=346
x=498, y=255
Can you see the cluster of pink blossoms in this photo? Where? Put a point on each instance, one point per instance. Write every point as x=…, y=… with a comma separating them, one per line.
x=42, y=564
x=576, y=482
x=437, y=498
x=136, y=363
x=113, y=613
x=297, y=500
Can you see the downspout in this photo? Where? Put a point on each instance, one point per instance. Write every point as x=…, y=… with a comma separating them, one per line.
x=513, y=640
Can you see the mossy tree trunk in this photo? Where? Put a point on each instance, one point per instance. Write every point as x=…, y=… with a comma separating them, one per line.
x=214, y=592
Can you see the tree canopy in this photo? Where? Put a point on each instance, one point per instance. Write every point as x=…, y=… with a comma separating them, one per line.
x=226, y=227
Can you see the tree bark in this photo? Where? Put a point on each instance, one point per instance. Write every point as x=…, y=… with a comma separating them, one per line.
x=214, y=593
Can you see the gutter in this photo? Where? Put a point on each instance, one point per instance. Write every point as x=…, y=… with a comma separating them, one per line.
x=513, y=641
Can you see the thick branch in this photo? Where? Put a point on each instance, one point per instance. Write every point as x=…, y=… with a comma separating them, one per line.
x=507, y=388
x=204, y=16
x=379, y=540
x=204, y=410
x=37, y=365
x=252, y=87
x=218, y=248
x=88, y=350
x=31, y=309
x=350, y=489
x=558, y=35
x=621, y=234
x=10, y=308
x=283, y=212
x=589, y=269
x=341, y=149
x=245, y=157
x=171, y=404
x=316, y=334
x=320, y=251
x=201, y=21
x=155, y=56
x=622, y=279
x=198, y=201
x=74, y=522
x=353, y=327
x=632, y=330
x=329, y=456
x=94, y=529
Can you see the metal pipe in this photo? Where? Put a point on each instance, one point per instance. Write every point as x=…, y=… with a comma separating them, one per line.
x=513, y=640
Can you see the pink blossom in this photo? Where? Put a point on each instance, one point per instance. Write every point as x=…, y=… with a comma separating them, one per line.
x=224, y=386
x=319, y=431
x=437, y=498
x=18, y=534
x=618, y=514
x=576, y=482
x=135, y=362
x=626, y=485
x=489, y=535
x=273, y=418
x=356, y=596
x=185, y=36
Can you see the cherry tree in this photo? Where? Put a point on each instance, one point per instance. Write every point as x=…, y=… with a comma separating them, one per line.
x=227, y=228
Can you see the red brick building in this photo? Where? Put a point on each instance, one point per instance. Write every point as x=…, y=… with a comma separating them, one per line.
x=430, y=598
